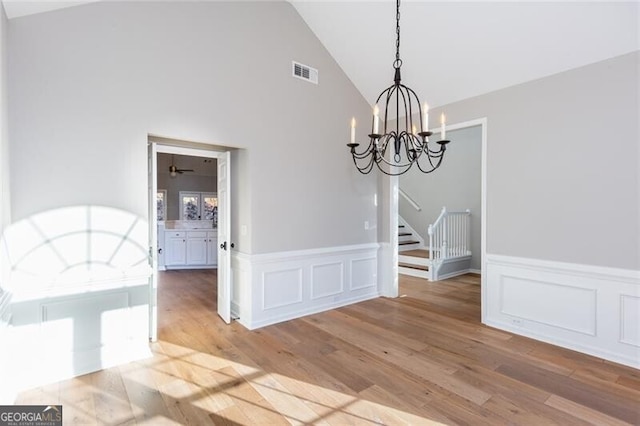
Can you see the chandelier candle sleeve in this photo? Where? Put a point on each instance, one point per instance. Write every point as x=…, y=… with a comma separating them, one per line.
x=376, y=119
x=425, y=117
x=353, y=130
x=443, y=129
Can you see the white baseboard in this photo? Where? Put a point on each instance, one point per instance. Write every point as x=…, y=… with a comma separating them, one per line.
x=275, y=287
x=590, y=309
x=453, y=274
x=181, y=267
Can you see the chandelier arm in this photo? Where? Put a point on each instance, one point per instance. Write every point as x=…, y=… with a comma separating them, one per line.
x=407, y=117
x=390, y=91
x=390, y=173
x=433, y=167
x=366, y=169
x=385, y=161
x=387, y=90
x=415, y=146
x=363, y=154
x=410, y=92
x=438, y=153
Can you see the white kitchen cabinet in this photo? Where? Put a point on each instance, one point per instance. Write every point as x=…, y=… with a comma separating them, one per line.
x=212, y=248
x=197, y=248
x=190, y=248
x=175, y=248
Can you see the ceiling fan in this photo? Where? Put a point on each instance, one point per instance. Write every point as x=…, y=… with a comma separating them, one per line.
x=174, y=170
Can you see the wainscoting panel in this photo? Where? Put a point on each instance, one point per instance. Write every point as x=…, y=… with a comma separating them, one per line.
x=594, y=310
x=363, y=273
x=281, y=288
x=546, y=303
x=277, y=287
x=327, y=280
x=630, y=319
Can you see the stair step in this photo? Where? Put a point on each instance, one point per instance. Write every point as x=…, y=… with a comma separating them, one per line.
x=417, y=253
x=412, y=260
x=400, y=226
x=404, y=243
x=412, y=266
x=414, y=272
x=404, y=234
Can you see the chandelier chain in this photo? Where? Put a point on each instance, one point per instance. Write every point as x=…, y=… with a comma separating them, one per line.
x=398, y=62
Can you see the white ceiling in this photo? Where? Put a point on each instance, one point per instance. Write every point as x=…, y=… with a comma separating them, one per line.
x=199, y=165
x=454, y=50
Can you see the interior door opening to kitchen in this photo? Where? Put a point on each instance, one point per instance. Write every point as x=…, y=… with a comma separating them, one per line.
x=189, y=230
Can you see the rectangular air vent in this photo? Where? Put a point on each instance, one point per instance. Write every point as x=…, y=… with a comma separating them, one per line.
x=305, y=72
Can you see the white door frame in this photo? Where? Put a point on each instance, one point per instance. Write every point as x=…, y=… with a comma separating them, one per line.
x=154, y=149
x=392, y=186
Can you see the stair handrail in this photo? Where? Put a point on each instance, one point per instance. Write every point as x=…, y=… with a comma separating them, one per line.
x=445, y=242
x=410, y=200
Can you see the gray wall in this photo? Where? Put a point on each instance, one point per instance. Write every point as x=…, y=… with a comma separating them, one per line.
x=215, y=72
x=562, y=164
x=455, y=184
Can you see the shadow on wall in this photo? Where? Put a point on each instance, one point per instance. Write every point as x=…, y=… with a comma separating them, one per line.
x=80, y=295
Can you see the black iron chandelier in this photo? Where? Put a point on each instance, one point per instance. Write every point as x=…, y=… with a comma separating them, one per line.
x=410, y=146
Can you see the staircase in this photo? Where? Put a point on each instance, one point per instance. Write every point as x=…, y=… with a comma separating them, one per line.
x=414, y=263
x=408, y=239
x=448, y=253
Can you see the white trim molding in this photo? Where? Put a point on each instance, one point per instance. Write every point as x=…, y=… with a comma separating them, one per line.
x=590, y=309
x=275, y=287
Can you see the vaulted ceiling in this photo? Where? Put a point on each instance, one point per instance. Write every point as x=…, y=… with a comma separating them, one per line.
x=454, y=50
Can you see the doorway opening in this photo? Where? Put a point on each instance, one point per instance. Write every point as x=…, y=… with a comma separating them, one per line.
x=189, y=221
x=390, y=210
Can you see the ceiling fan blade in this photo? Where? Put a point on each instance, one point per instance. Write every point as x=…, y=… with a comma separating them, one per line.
x=185, y=170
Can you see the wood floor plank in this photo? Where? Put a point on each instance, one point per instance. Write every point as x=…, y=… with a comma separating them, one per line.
x=78, y=402
x=110, y=397
x=423, y=358
x=590, y=416
x=622, y=408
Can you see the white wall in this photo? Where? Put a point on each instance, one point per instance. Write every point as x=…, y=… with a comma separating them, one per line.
x=219, y=73
x=455, y=184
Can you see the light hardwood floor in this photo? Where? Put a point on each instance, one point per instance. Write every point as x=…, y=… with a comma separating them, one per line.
x=423, y=358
